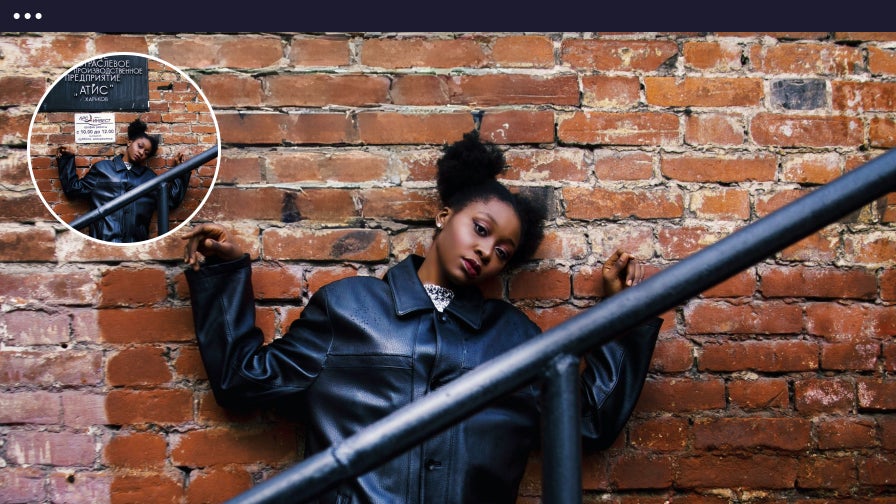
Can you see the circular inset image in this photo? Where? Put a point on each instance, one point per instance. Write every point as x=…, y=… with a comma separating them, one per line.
x=124, y=148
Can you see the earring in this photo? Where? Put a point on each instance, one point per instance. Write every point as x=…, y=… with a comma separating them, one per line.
x=439, y=225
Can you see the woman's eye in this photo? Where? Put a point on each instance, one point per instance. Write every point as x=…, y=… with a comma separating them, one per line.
x=480, y=229
x=502, y=254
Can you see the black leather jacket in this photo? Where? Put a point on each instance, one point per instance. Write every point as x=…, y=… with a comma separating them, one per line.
x=109, y=179
x=364, y=347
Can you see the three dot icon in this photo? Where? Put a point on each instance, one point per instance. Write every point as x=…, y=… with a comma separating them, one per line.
x=27, y=15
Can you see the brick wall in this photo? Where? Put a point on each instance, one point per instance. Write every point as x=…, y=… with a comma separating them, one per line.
x=776, y=385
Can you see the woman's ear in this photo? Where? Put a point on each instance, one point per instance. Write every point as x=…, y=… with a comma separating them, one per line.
x=442, y=217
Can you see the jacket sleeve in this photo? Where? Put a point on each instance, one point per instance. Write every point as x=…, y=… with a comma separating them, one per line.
x=612, y=380
x=242, y=370
x=177, y=189
x=72, y=186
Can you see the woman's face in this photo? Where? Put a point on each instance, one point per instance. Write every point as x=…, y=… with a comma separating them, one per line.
x=138, y=150
x=475, y=243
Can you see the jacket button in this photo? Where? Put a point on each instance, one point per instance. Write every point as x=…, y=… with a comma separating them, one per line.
x=432, y=465
x=443, y=317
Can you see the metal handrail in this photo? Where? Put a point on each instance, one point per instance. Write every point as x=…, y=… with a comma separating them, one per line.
x=142, y=189
x=419, y=420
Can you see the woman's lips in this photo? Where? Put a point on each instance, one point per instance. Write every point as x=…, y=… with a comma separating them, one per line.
x=472, y=268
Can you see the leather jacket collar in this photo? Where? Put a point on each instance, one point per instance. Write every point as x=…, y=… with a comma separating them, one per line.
x=409, y=295
x=119, y=166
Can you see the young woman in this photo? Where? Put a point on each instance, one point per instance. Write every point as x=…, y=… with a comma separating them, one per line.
x=363, y=346
x=110, y=178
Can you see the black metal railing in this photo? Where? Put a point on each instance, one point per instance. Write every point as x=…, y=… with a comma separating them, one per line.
x=554, y=354
x=159, y=183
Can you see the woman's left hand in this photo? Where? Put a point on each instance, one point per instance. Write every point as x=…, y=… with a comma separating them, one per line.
x=621, y=270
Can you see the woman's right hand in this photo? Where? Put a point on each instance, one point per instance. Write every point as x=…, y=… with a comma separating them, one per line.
x=208, y=240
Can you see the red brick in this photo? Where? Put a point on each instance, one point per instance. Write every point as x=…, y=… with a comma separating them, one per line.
x=598, y=203
x=50, y=448
x=327, y=167
x=121, y=43
x=342, y=244
x=733, y=434
x=721, y=204
x=806, y=131
x=58, y=287
x=717, y=56
x=16, y=90
x=210, y=51
x=146, y=325
x=881, y=61
x=678, y=243
x=742, y=284
x=399, y=204
x=759, y=167
x=839, y=322
x=806, y=58
x=319, y=51
x=422, y=52
x=82, y=486
x=231, y=90
x=619, y=128
x=809, y=282
x=81, y=410
x=240, y=170
x=638, y=471
x=319, y=90
x=864, y=96
x=23, y=484
x=675, y=395
x=24, y=407
x=540, y=284
x=672, y=355
x=846, y=433
x=143, y=365
x=663, y=434
x=538, y=165
x=820, y=247
x=828, y=472
x=850, y=356
x=728, y=471
x=610, y=91
x=703, y=92
x=189, y=364
x=879, y=470
x=882, y=133
x=759, y=394
x=14, y=130
x=420, y=90
x=275, y=280
x=276, y=445
x=514, y=89
x=146, y=487
x=887, y=431
x=159, y=406
x=523, y=51
x=615, y=165
x=57, y=50
x=26, y=327
x=547, y=318
x=136, y=450
x=624, y=55
x=870, y=248
x=762, y=356
x=877, y=394
x=714, y=129
x=812, y=168
x=126, y=286
x=325, y=275
x=714, y=317
x=217, y=484
x=823, y=396
x=263, y=128
x=47, y=368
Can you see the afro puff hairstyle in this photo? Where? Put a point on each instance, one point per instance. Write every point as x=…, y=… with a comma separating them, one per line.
x=137, y=129
x=467, y=172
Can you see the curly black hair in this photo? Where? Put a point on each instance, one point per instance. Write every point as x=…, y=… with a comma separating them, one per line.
x=137, y=129
x=467, y=172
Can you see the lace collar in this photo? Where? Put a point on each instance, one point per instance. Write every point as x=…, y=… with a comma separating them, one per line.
x=441, y=296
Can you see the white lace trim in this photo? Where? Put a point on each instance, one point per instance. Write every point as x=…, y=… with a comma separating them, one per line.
x=441, y=296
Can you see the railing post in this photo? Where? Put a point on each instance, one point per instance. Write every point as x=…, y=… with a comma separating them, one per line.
x=162, y=210
x=562, y=432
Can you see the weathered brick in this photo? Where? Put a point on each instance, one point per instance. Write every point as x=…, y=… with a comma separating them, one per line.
x=160, y=406
x=319, y=90
x=841, y=433
x=545, y=166
x=851, y=356
x=808, y=282
x=680, y=242
x=827, y=472
x=877, y=394
x=138, y=366
x=231, y=90
x=50, y=448
x=759, y=167
x=22, y=484
x=540, y=284
x=136, y=450
x=217, y=484
x=864, y=96
x=343, y=244
x=81, y=410
x=514, y=89
x=614, y=165
x=327, y=167
x=47, y=368
x=30, y=408
x=620, y=55
x=727, y=471
x=610, y=91
x=146, y=325
x=806, y=58
x=714, y=129
x=721, y=204
x=523, y=51
x=399, y=204
x=823, y=396
x=129, y=488
x=641, y=471
x=598, y=203
x=733, y=434
x=721, y=56
x=422, y=52
x=619, y=128
x=703, y=92
x=210, y=51
x=763, y=356
x=664, y=434
x=839, y=322
x=806, y=131
x=319, y=51
x=276, y=445
x=673, y=395
x=707, y=317
x=126, y=286
x=759, y=394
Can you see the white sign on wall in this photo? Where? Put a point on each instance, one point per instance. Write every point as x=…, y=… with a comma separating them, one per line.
x=94, y=128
